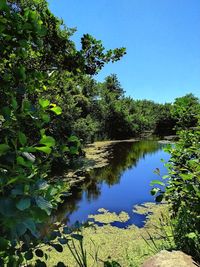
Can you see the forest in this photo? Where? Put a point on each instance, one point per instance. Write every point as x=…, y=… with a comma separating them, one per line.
x=51, y=107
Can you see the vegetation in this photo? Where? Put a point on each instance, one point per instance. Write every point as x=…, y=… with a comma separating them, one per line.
x=50, y=105
x=182, y=191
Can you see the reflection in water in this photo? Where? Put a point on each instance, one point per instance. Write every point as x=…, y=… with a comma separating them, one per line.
x=118, y=186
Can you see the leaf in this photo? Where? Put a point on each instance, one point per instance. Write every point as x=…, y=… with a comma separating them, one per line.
x=30, y=225
x=44, y=204
x=44, y=149
x=44, y=103
x=73, y=150
x=154, y=191
x=46, y=118
x=48, y=141
x=14, y=103
x=39, y=253
x=23, y=204
x=63, y=240
x=61, y=264
x=73, y=138
x=42, y=184
x=3, y=244
x=22, y=162
x=28, y=255
x=22, y=72
x=21, y=229
x=157, y=182
x=77, y=237
x=56, y=110
x=191, y=235
x=4, y=148
x=159, y=198
x=22, y=138
x=3, y=5
x=67, y=230
x=57, y=247
x=40, y=263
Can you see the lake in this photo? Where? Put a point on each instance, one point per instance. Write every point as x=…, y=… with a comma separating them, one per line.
x=120, y=185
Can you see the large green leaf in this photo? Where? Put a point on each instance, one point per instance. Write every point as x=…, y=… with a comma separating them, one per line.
x=3, y=5
x=22, y=138
x=44, y=149
x=22, y=162
x=44, y=103
x=56, y=110
x=3, y=244
x=30, y=225
x=157, y=182
x=48, y=141
x=44, y=204
x=23, y=204
x=4, y=148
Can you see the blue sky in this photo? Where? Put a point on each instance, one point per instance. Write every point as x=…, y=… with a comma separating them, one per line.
x=162, y=38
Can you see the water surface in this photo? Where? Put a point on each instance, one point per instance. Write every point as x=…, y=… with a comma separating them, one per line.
x=119, y=186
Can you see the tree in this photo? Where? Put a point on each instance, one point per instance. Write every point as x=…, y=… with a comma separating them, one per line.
x=35, y=49
x=185, y=110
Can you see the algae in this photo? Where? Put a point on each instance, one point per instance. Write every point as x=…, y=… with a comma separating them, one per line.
x=128, y=246
x=108, y=217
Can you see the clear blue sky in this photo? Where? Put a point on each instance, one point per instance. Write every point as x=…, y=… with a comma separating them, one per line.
x=162, y=38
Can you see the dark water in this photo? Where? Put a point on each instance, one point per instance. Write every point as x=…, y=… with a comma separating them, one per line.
x=119, y=186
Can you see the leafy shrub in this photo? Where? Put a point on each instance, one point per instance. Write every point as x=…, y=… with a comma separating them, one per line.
x=183, y=191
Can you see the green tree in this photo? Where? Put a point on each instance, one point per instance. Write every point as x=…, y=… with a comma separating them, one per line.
x=35, y=49
x=185, y=110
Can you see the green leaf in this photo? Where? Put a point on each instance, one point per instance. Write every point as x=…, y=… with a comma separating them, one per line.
x=154, y=191
x=44, y=103
x=22, y=72
x=191, y=235
x=73, y=150
x=4, y=148
x=44, y=204
x=22, y=162
x=22, y=138
x=3, y=244
x=44, y=149
x=48, y=141
x=46, y=118
x=28, y=149
x=3, y=5
x=21, y=229
x=23, y=204
x=159, y=198
x=157, y=182
x=14, y=103
x=73, y=138
x=56, y=110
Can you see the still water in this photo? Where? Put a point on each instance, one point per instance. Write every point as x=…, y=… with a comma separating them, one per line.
x=120, y=185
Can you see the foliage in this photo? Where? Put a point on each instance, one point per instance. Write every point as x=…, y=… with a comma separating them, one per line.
x=183, y=191
x=185, y=110
x=35, y=46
